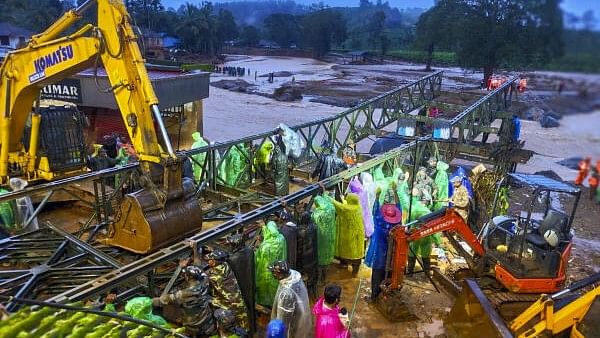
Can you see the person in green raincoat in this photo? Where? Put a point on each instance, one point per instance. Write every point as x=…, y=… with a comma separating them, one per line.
x=350, y=245
x=263, y=157
x=234, y=167
x=441, y=182
x=324, y=218
x=198, y=159
x=273, y=248
x=421, y=247
x=7, y=216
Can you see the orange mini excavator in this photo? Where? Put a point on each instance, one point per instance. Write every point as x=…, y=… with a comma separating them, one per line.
x=523, y=254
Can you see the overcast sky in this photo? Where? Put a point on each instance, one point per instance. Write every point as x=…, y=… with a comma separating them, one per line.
x=574, y=6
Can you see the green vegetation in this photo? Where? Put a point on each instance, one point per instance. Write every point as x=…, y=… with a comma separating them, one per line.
x=417, y=56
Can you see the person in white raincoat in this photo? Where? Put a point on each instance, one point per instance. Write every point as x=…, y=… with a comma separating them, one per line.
x=291, y=303
x=24, y=206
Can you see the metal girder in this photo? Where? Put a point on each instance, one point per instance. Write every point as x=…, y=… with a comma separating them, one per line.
x=50, y=261
x=498, y=96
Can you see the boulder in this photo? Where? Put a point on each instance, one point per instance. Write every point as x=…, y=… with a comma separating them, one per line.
x=548, y=121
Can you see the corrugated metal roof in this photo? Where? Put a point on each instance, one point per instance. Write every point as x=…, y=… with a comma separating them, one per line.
x=155, y=75
x=545, y=182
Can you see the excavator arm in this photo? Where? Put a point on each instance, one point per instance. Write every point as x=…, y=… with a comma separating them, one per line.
x=444, y=220
x=148, y=218
x=49, y=58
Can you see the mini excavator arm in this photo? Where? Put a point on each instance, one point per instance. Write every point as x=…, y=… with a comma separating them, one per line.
x=401, y=236
x=49, y=58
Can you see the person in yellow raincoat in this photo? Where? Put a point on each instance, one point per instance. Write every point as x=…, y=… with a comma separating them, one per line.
x=350, y=246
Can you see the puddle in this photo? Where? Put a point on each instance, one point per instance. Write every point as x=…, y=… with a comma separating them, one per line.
x=433, y=329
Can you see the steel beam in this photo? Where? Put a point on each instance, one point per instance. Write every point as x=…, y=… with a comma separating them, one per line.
x=181, y=249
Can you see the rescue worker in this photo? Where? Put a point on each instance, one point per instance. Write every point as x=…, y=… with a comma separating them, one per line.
x=386, y=217
x=460, y=198
x=432, y=166
x=194, y=299
x=291, y=304
x=594, y=179
x=224, y=287
x=422, y=247
x=198, y=160
x=324, y=218
x=226, y=325
x=350, y=231
x=349, y=154
x=584, y=169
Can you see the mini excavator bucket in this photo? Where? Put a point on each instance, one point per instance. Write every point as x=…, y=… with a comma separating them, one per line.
x=149, y=219
x=473, y=315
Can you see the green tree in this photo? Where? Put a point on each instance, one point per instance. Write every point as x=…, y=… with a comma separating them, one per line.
x=377, y=36
x=489, y=34
x=431, y=30
x=146, y=13
x=227, y=28
x=322, y=29
x=282, y=28
x=250, y=36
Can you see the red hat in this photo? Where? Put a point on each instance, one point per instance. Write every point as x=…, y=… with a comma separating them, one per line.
x=391, y=214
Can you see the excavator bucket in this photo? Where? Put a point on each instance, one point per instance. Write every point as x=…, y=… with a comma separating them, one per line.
x=149, y=219
x=474, y=316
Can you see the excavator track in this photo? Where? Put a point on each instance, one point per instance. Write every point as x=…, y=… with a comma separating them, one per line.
x=509, y=305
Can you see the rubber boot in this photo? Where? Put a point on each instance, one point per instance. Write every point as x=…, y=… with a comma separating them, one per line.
x=426, y=264
x=411, y=264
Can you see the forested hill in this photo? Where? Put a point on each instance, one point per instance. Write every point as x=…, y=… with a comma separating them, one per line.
x=254, y=12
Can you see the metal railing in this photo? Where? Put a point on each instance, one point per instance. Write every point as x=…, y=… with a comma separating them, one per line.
x=497, y=101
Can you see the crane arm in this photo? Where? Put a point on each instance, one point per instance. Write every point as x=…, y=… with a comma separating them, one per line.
x=48, y=59
x=401, y=236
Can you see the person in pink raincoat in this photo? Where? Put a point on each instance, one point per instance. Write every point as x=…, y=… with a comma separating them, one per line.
x=330, y=322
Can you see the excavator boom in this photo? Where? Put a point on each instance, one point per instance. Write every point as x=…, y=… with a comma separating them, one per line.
x=111, y=43
x=446, y=219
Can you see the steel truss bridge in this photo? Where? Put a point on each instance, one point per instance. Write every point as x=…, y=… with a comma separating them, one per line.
x=59, y=266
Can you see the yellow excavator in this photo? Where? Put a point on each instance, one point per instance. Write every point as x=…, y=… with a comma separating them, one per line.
x=567, y=313
x=166, y=209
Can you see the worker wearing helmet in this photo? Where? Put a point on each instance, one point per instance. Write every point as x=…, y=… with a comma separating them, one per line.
x=227, y=326
x=584, y=169
x=194, y=299
x=291, y=303
x=460, y=198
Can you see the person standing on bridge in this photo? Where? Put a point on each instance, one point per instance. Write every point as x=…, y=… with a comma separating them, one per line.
x=584, y=170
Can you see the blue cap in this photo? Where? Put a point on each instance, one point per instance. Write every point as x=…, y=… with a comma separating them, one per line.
x=276, y=329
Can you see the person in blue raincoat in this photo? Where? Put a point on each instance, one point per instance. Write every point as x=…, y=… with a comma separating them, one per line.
x=385, y=217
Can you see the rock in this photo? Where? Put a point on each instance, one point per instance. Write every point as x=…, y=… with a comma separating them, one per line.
x=548, y=121
x=571, y=162
x=533, y=114
x=234, y=85
x=287, y=93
